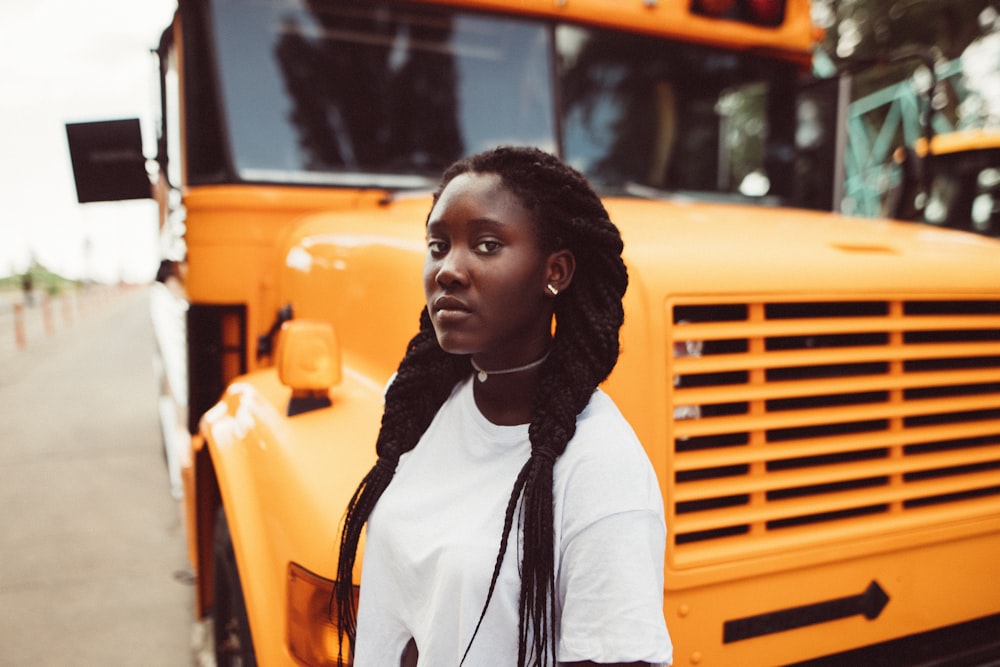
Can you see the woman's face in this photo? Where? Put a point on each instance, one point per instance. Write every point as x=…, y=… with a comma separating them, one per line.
x=485, y=275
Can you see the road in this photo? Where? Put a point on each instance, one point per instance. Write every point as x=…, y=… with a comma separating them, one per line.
x=92, y=549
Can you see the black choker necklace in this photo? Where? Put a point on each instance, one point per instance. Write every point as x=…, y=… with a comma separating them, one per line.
x=483, y=375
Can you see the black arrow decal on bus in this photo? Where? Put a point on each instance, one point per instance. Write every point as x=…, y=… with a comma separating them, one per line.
x=869, y=604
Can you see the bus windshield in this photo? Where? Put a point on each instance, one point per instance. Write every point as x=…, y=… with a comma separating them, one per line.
x=387, y=95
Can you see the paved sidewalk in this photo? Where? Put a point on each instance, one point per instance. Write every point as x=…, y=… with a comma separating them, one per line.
x=25, y=324
x=92, y=544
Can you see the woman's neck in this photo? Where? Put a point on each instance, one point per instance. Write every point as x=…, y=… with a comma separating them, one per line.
x=505, y=394
x=506, y=400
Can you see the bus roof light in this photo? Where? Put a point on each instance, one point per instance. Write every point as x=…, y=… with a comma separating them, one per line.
x=766, y=12
x=716, y=8
x=769, y=13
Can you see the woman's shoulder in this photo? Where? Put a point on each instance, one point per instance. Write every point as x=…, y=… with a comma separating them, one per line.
x=603, y=431
x=605, y=467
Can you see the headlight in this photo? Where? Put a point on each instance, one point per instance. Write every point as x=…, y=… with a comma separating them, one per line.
x=312, y=635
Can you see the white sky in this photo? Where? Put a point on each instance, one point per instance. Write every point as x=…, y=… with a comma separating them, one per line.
x=68, y=61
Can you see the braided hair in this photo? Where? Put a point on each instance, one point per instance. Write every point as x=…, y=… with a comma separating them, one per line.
x=588, y=316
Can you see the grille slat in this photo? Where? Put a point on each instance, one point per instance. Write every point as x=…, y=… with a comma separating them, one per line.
x=816, y=327
x=746, y=545
x=854, y=384
x=806, y=418
x=724, y=363
x=817, y=447
x=825, y=416
x=828, y=503
x=833, y=474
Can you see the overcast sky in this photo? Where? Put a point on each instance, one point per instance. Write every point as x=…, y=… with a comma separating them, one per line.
x=68, y=61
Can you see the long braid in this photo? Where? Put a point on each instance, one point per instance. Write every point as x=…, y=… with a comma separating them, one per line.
x=585, y=350
x=425, y=377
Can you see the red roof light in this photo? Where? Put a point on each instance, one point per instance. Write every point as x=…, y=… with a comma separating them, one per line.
x=769, y=13
x=714, y=7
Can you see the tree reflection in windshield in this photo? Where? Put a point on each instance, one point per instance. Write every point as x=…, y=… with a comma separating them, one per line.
x=672, y=116
x=371, y=90
x=375, y=94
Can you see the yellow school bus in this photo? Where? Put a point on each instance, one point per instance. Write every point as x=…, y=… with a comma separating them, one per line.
x=819, y=395
x=952, y=180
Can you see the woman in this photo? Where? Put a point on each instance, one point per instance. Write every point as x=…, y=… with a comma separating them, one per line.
x=513, y=517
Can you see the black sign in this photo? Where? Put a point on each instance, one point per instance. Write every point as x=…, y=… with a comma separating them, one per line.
x=108, y=164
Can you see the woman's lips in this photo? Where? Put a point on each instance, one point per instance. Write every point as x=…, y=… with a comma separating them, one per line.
x=448, y=308
x=450, y=303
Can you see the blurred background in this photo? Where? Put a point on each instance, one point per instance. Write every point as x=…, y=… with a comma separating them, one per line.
x=63, y=61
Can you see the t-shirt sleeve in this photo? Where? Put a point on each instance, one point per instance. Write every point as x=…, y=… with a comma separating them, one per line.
x=611, y=591
x=612, y=536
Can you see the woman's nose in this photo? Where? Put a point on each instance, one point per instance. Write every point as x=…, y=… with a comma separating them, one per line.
x=452, y=268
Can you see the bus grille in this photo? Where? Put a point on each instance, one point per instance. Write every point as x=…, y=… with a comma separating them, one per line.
x=799, y=423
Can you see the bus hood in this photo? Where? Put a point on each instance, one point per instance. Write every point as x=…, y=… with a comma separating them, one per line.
x=371, y=258
x=713, y=248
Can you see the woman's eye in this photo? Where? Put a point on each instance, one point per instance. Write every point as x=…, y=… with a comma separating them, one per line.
x=437, y=247
x=488, y=247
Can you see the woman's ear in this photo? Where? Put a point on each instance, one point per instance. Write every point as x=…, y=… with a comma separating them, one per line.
x=560, y=267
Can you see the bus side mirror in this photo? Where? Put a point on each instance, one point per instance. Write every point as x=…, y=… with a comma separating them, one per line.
x=308, y=361
x=108, y=164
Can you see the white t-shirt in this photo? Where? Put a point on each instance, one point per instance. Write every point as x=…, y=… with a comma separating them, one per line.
x=434, y=536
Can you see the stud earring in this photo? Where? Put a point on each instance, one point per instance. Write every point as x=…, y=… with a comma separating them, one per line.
x=552, y=289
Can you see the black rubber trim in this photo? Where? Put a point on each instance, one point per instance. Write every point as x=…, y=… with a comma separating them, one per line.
x=868, y=604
